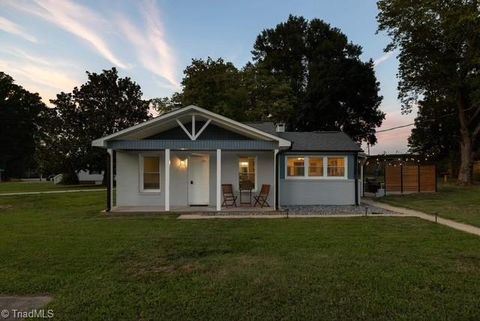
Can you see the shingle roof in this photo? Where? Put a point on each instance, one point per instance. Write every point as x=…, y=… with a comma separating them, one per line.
x=312, y=141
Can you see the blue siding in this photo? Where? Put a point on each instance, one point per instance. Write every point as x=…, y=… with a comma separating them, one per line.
x=151, y=144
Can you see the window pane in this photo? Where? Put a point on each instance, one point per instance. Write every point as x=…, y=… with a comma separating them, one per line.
x=315, y=166
x=247, y=168
x=336, y=166
x=151, y=181
x=295, y=166
x=151, y=172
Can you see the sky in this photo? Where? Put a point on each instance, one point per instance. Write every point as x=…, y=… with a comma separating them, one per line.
x=47, y=45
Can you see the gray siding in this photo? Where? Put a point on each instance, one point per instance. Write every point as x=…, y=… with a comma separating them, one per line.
x=317, y=192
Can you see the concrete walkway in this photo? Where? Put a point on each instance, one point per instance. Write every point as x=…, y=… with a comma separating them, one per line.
x=234, y=216
x=428, y=217
x=54, y=192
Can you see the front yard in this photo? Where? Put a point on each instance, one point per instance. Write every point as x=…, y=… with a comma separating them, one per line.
x=160, y=268
x=461, y=204
x=43, y=186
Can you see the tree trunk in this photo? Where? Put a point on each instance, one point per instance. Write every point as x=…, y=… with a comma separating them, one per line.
x=466, y=162
x=466, y=146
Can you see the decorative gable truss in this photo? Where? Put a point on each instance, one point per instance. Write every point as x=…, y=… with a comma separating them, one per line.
x=193, y=135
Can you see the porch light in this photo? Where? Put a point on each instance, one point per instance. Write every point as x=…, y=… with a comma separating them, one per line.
x=181, y=163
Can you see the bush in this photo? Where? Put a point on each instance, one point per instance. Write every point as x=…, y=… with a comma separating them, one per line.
x=70, y=179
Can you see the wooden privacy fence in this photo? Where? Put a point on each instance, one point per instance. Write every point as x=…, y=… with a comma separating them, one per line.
x=410, y=178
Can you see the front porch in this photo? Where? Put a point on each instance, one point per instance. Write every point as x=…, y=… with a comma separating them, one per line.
x=192, y=209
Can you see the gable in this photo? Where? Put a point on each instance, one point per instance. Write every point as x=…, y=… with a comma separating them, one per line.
x=211, y=132
x=207, y=126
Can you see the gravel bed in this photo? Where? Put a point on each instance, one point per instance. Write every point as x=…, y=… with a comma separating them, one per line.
x=335, y=210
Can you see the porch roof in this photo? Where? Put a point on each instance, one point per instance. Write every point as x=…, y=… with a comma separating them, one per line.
x=152, y=144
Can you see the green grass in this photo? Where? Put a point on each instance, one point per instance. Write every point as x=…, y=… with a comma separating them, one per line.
x=458, y=203
x=17, y=187
x=155, y=268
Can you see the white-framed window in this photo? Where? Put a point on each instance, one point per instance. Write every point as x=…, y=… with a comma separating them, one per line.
x=149, y=173
x=247, y=171
x=316, y=167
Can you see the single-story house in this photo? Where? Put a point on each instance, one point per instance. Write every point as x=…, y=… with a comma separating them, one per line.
x=180, y=160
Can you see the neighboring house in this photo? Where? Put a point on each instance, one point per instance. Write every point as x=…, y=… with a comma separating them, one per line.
x=180, y=159
x=84, y=177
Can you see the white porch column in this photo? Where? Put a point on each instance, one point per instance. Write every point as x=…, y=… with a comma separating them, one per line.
x=275, y=171
x=167, y=179
x=219, y=179
x=110, y=153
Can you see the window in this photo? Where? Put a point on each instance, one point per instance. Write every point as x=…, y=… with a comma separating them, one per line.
x=315, y=166
x=336, y=166
x=295, y=166
x=247, y=172
x=151, y=173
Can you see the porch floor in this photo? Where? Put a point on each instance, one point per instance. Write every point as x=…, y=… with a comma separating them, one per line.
x=189, y=209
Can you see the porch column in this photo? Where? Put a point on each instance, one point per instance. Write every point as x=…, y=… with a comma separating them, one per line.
x=219, y=179
x=167, y=179
x=275, y=171
x=110, y=180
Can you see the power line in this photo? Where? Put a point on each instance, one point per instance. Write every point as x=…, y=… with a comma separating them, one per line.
x=393, y=128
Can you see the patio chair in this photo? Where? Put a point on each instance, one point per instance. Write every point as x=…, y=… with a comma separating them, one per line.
x=228, y=198
x=261, y=198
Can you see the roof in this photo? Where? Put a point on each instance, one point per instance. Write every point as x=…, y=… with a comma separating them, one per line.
x=138, y=131
x=312, y=141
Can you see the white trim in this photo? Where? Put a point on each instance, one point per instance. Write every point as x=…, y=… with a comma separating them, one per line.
x=325, y=168
x=193, y=127
x=184, y=129
x=275, y=152
x=141, y=188
x=167, y=179
x=219, y=179
x=256, y=170
x=110, y=152
x=203, y=128
x=101, y=142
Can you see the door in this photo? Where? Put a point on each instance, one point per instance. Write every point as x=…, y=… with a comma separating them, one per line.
x=198, y=180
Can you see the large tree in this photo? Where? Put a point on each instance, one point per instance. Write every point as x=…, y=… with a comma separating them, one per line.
x=332, y=88
x=439, y=45
x=103, y=105
x=19, y=115
x=249, y=94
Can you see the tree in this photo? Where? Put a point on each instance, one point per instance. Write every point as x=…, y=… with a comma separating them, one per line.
x=103, y=105
x=439, y=46
x=332, y=88
x=19, y=115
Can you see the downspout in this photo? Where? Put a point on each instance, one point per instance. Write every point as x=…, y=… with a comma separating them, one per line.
x=355, y=174
x=109, y=185
x=277, y=182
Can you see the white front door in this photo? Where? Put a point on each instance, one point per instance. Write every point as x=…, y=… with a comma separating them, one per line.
x=198, y=180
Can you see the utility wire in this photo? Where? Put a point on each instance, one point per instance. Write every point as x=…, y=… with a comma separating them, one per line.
x=393, y=128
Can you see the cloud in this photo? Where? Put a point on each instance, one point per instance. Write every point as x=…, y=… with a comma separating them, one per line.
x=150, y=44
x=383, y=58
x=74, y=18
x=11, y=27
x=38, y=74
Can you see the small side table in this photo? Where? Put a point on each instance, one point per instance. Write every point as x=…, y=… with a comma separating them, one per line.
x=246, y=187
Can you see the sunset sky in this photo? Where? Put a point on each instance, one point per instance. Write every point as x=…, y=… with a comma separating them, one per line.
x=47, y=45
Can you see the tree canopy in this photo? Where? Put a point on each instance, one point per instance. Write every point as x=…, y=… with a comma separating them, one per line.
x=439, y=47
x=333, y=89
x=105, y=104
x=19, y=115
x=304, y=73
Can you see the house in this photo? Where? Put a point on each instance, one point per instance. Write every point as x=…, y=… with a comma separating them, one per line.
x=181, y=159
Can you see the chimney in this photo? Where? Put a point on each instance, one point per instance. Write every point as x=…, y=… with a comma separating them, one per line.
x=280, y=127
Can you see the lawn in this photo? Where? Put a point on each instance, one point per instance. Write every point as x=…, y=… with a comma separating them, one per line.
x=17, y=187
x=461, y=204
x=160, y=268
